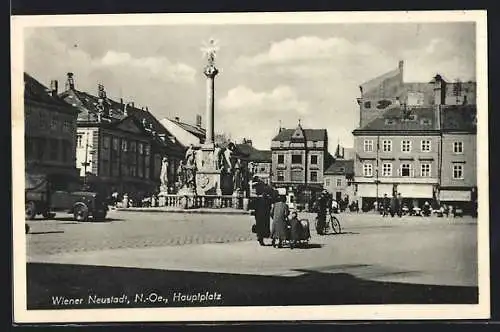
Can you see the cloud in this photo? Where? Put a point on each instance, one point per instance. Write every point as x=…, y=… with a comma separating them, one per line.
x=246, y=113
x=160, y=66
x=281, y=98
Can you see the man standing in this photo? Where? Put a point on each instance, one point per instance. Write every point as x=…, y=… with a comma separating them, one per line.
x=386, y=205
x=399, y=205
x=263, y=217
x=324, y=206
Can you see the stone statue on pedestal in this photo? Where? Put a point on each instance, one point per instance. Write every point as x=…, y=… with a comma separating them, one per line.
x=164, y=175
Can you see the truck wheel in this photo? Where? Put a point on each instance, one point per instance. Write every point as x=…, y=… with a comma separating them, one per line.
x=81, y=212
x=30, y=210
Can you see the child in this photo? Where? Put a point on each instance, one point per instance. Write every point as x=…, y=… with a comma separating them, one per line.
x=296, y=230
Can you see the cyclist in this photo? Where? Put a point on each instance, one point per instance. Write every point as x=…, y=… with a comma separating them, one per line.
x=324, y=208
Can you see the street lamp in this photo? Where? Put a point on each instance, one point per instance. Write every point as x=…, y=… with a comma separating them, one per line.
x=376, y=187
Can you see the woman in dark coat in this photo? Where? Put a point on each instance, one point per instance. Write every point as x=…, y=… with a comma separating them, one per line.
x=295, y=231
x=279, y=214
x=263, y=217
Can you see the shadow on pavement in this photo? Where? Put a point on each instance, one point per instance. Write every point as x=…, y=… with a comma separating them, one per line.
x=45, y=281
x=47, y=232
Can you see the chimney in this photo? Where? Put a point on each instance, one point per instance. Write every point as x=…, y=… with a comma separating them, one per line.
x=198, y=121
x=70, y=82
x=248, y=142
x=439, y=90
x=125, y=111
x=147, y=109
x=53, y=88
x=177, y=119
x=101, y=93
x=132, y=104
x=121, y=101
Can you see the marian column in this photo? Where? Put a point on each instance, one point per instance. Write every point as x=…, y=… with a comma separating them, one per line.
x=208, y=176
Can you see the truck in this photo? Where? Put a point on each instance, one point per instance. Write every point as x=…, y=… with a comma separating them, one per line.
x=42, y=199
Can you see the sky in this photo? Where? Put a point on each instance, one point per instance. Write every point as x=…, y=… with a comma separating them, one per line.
x=269, y=73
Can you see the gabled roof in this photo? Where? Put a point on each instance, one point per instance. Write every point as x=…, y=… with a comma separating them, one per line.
x=375, y=83
x=459, y=118
x=255, y=154
x=395, y=119
x=195, y=130
x=309, y=134
x=341, y=167
x=34, y=90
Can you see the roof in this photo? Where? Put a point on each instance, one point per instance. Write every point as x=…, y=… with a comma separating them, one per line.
x=376, y=82
x=341, y=167
x=394, y=119
x=255, y=154
x=36, y=91
x=195, y=130
x=88, y=106
x=309, y=134
x=459, y=118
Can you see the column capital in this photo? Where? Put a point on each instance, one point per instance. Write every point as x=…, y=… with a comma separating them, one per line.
x=210, y=71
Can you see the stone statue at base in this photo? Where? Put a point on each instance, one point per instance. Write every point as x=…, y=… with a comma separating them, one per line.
x=164, y=176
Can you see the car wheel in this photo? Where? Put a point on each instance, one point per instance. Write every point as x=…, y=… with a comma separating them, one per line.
x=30, y=210
x=81, y=212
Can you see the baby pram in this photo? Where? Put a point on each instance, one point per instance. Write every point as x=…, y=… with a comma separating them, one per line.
x=304, y=232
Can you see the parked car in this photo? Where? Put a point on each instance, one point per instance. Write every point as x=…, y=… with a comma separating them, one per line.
x=40, y=198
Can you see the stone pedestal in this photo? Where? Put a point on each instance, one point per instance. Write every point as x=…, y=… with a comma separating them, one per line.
x=207, y=175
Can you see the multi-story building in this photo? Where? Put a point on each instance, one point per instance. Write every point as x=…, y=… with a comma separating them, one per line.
x=50, y=134
x=398, y=153
x=458, y=184
x=299, y=158
x=403, y=143
x=119, y=147
x=339, y=179
x=259, y=161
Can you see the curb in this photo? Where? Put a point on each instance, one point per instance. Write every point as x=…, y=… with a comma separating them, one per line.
x=189, y=211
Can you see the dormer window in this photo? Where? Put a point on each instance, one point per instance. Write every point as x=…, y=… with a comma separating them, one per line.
x=412, y=117
x=425, y=122
x=389, y=121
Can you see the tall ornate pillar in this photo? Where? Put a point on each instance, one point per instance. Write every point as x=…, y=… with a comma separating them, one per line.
x=210, y=72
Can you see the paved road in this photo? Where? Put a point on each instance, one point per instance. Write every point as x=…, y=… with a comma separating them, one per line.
x=135, y=230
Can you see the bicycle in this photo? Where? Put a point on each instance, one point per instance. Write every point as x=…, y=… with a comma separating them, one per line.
x=332, y=223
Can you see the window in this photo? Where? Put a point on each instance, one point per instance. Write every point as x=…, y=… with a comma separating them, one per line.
x=368, y=145
x=297, y=175
x=116, y=144
x=425, y=122
x=314, y=176
x=367, y=169
x=280, y=176
x=387, y=169
x=66, y=126
x=339, y=182
x=387, y=145
x=314, y=160
x=314, y=144
x=425, y=145
x=327, y=182
x=147, y=150
x=405, y=170
x=458, y=172
x=367, y=104
x=389, y=121
x=281, y=159
x=296, y=159
x=282, y=144
x=405, y=146
x=140, y=148
x=53, y=123
x=458, y=147
x=54, y=150
x=79, y=140
x=124, y=145
x=106, y=142
x=262, y=169
x=425, y=170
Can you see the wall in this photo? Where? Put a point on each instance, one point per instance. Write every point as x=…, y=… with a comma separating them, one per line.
x=397, y=157
x=87, y=133
x=467, y=159
x=346, y=187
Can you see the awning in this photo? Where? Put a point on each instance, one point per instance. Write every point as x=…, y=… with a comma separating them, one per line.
x=415, y=190
x=370, y=190
x=455, y=195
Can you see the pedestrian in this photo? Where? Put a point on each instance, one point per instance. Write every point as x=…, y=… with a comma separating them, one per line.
x=279, y=213
x=386, y=205
x=399, y=205
x=295, y=230
x=263, y=217
x=324, y=207
x=394, y=207
x=335, y=206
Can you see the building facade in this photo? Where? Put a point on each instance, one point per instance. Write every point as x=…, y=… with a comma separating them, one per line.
x=459, y=158
x=410, y=137
x=299, y=158
x=50, y=134
x=120, y=147
x=259, y=161
x=339, y=180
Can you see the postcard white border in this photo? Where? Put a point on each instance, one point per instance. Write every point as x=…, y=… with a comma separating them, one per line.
x=308, y=313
